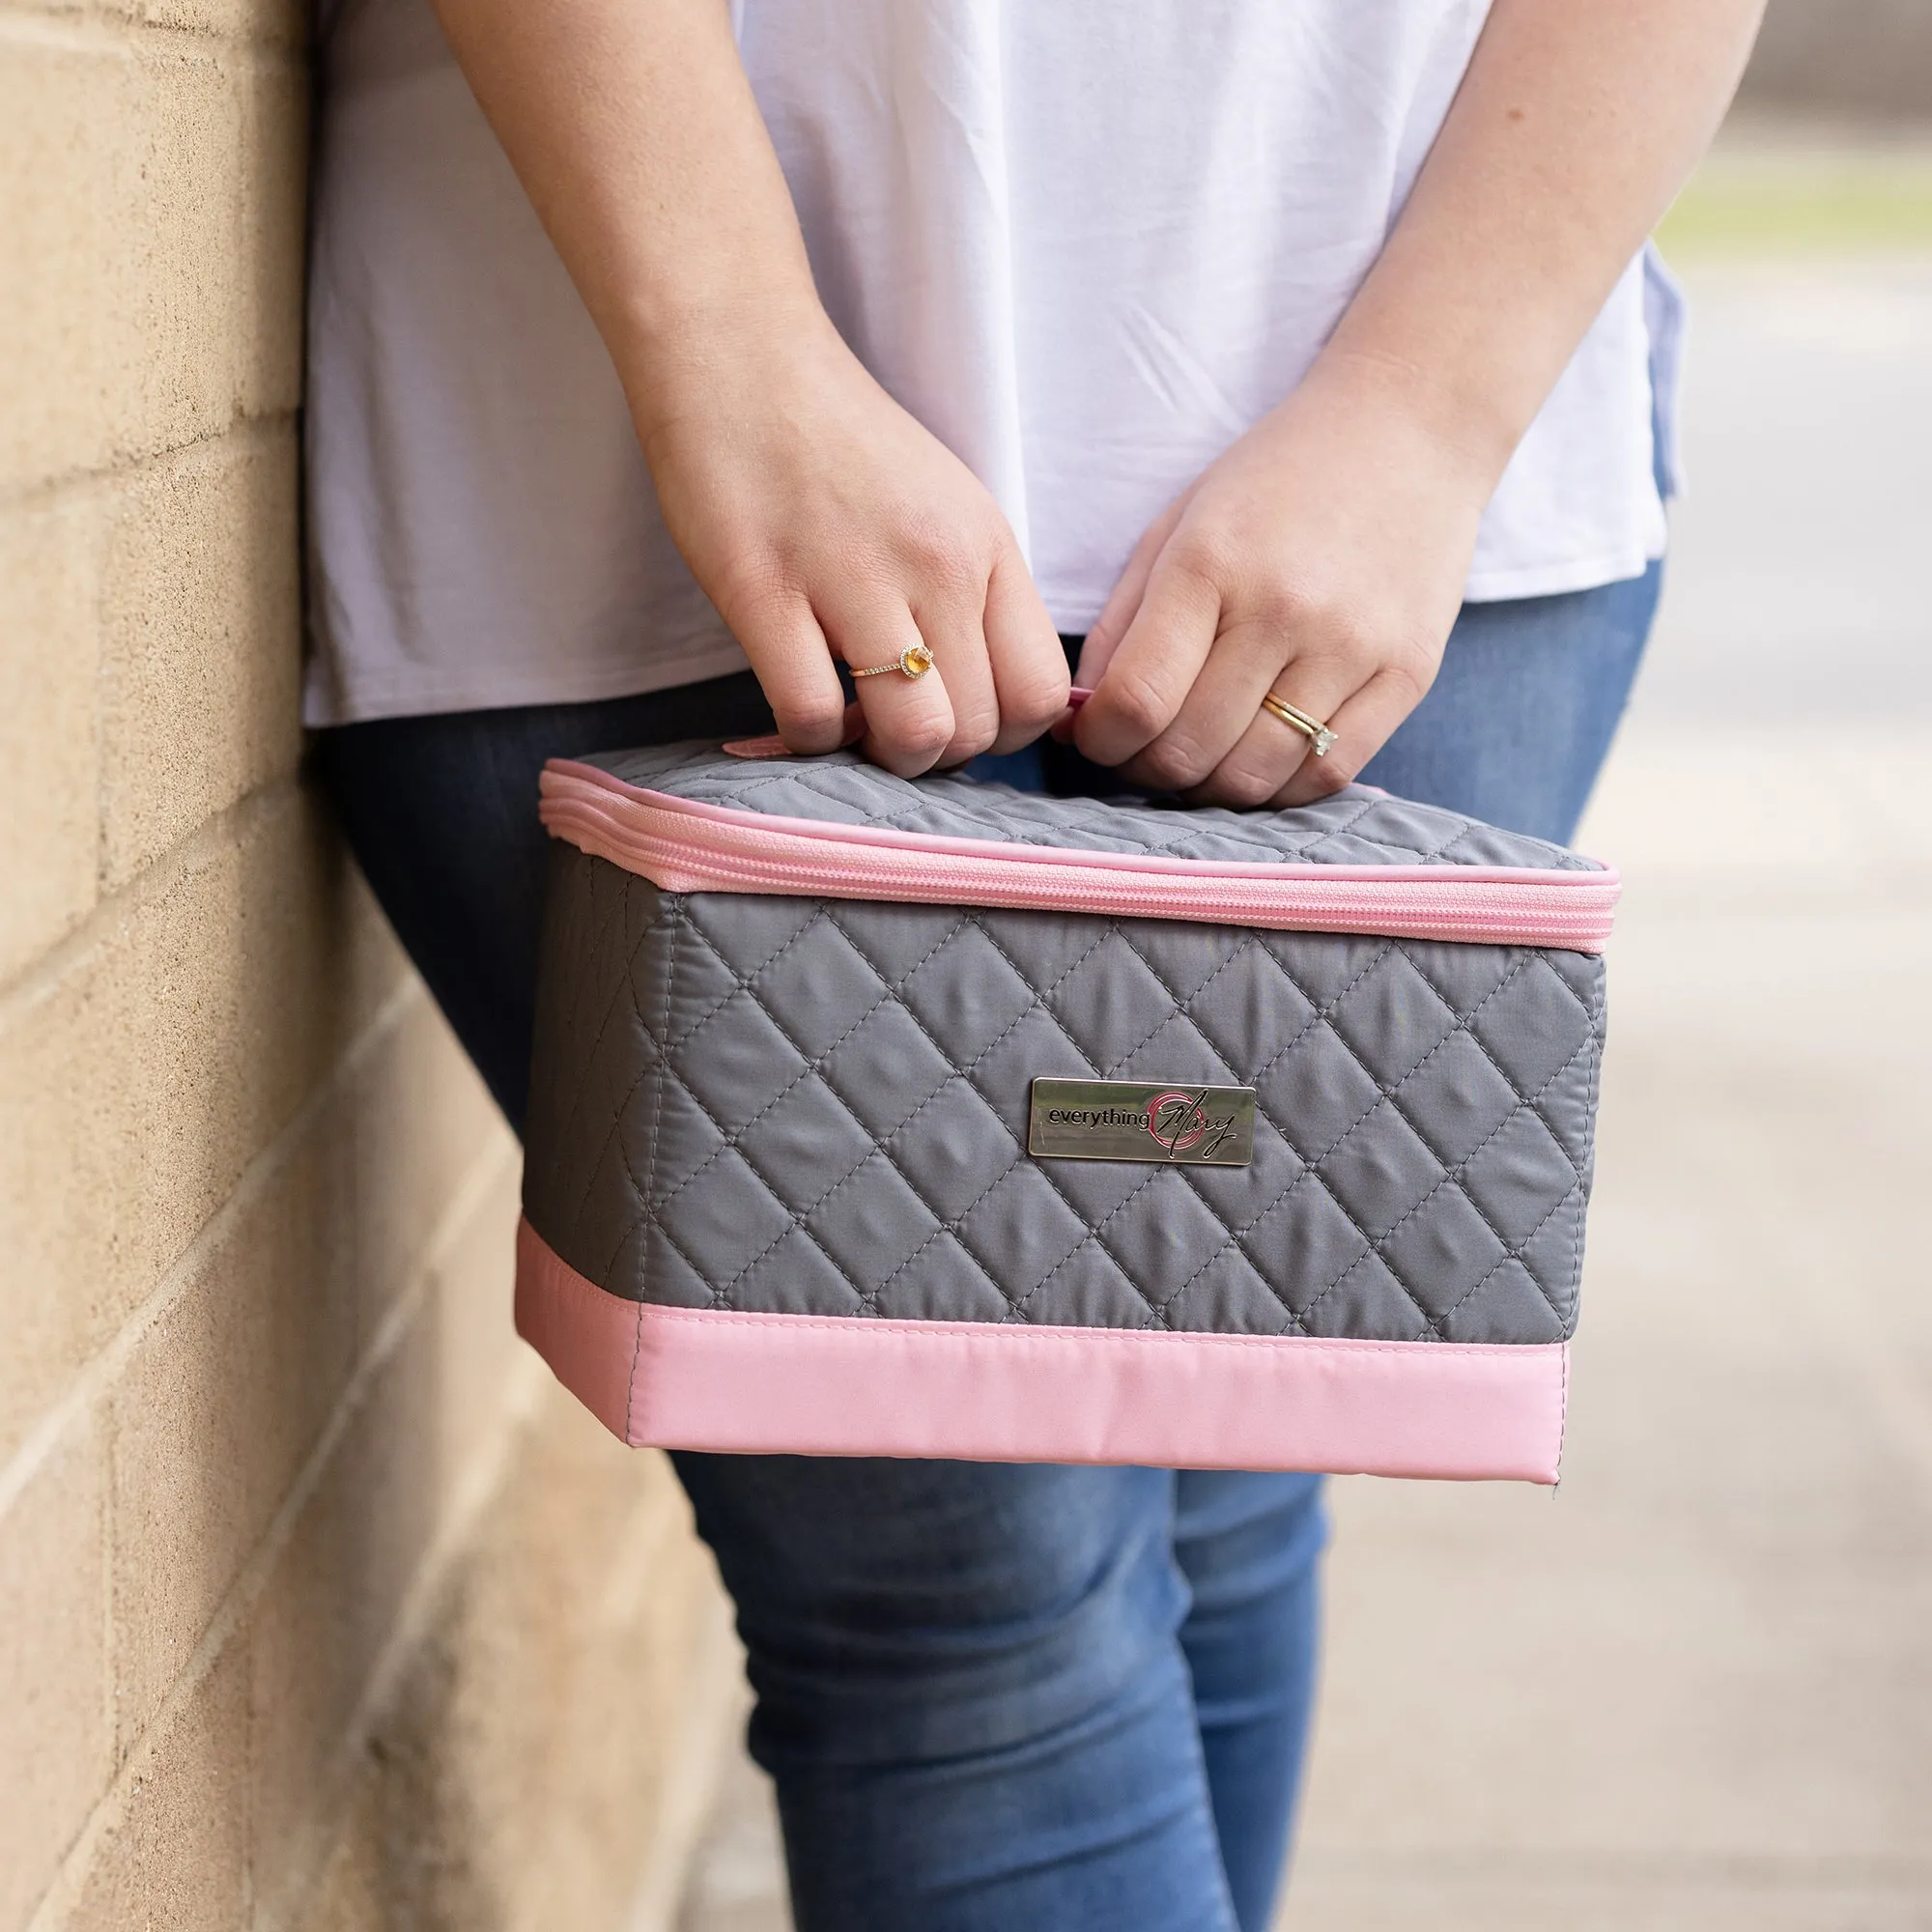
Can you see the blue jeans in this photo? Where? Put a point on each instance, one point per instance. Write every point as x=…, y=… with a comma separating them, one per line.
x=993, y=1697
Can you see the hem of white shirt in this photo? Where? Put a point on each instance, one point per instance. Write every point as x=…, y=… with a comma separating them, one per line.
x=328, y=700
x=1557, y=580
x=335, y=700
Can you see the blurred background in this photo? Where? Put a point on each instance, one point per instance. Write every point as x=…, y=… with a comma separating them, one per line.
x=1693, y=1692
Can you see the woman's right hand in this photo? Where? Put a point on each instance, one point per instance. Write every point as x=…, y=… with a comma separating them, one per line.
x=821, y=520
x=824, y=521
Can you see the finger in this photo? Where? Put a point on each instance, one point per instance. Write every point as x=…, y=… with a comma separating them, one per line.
x=952, y=630
x=1104, y=635
x=793, y=662
x=908, y=719
x=1153, y=667
x=1270, y=753
x=1023, y=649
x=1270, y=756
x=1362, y=726
x=1219, y=706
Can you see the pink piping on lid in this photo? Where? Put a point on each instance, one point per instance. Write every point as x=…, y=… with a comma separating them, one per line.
x=557, y=774
x=837, y=1385
x=682, y=845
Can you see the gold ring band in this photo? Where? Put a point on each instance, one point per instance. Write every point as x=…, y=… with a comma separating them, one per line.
x=914, y=661
x=1319, y=737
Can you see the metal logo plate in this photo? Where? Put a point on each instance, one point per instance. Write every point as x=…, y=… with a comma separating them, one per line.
x=1135, y=1119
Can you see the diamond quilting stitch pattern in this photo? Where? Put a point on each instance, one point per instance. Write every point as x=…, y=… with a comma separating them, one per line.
x=1252, y=1270
x=927, y=1224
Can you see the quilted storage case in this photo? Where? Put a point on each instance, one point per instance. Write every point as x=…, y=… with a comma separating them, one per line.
x=934, y=1118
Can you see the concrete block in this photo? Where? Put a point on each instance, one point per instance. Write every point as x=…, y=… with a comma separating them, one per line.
x=173, y=234
x=56, y=1749
x=202, y=643
x=120, y=173
x=219, y=1406
x=56, y=174
x=353, y=1894
x=471, y=1288
x=570, y=1681
x=139, y=1083
x=604, y=1606
x=173, y=1857
x=273, y=244
x=318, y=1632
x=275, y=24
x=228, y=1393
x=47, y=741
x=423, y=1119
x=738, y=1873
x=652, y=1699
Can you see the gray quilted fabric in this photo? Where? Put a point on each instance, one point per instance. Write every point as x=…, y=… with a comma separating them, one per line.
x=1357, y=827
x=753, y=1102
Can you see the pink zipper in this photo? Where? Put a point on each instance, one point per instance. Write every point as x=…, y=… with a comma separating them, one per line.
x=683, y=846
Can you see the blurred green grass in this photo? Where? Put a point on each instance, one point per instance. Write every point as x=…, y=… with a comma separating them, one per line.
x=1767, y=195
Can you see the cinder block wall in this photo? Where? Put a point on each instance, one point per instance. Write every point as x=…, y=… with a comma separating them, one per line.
x=318, y=1606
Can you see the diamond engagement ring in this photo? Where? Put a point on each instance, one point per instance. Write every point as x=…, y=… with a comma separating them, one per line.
x=915, y=661
x=1318, y=734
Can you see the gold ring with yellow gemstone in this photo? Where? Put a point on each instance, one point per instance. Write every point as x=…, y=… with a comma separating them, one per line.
x=915, y=661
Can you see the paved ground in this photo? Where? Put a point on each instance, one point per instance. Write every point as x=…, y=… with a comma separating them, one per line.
x=1695, y=1689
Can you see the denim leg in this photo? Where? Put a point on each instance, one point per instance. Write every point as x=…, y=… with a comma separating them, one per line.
x=1249, y=1547
x=1520, y=718
x=970, y=1693
x=441, y=812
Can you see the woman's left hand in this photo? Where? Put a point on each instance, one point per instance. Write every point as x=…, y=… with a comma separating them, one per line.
x=1321, y=558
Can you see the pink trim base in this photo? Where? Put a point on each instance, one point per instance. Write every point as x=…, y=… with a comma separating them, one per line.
x=847, y=1385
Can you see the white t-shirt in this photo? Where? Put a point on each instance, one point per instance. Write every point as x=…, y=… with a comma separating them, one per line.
x=1087, y=243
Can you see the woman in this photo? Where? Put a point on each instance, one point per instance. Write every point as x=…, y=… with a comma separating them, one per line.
x=1269, y=347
